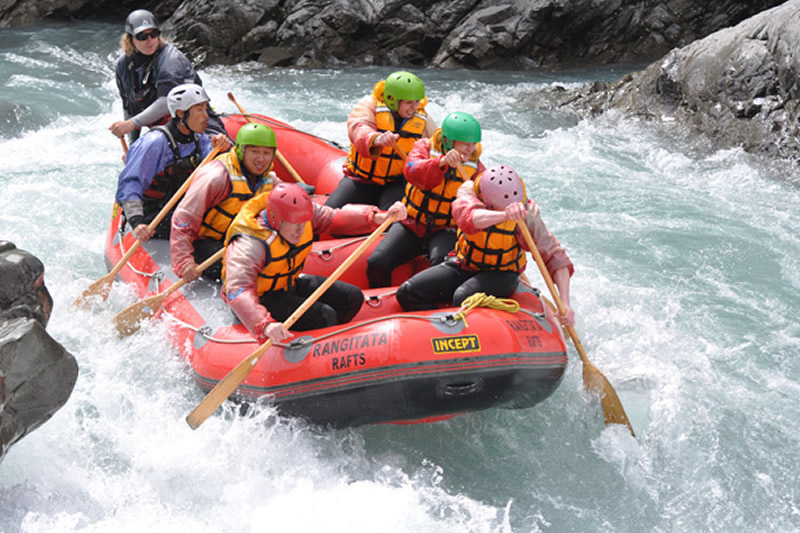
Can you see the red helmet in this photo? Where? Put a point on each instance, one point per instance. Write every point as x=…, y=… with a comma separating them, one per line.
x=288, y=202
x=500, y=186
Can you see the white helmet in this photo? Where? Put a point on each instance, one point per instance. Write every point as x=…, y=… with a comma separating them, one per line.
x=184, y=96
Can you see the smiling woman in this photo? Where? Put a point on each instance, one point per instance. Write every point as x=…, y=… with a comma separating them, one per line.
x=147, y=70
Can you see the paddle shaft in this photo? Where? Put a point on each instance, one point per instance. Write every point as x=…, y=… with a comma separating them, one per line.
x=462, y=172
x=179, y=193
x=124, y=144
x=101, y=285
x=400, y=151
x=551, y=287
x=613, y=412
x=163, y=213
x=127, y=321
x=229, y=383
x=288, y=166
x=202, y=267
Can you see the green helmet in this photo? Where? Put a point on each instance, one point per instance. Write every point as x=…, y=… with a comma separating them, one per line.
x=460, y=126
x=253, y=134
x=402, y=85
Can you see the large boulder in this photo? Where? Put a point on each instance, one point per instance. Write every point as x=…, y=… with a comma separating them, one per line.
x=738, y=87
x=37, y=374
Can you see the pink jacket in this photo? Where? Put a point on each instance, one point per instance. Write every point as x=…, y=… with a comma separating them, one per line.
x=211, y=185
x=553, y=255
x=362, y=127
x=245, y=257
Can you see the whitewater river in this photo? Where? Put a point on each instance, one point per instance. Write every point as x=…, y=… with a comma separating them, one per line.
x=687, y=289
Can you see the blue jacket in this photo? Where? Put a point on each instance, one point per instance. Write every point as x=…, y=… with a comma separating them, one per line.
x=147, y=158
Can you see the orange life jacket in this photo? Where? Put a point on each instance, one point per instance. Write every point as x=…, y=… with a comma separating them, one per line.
x=284, y=260
x=432, y=208
x=388, y=167
x=218, y=218
x=493, y=248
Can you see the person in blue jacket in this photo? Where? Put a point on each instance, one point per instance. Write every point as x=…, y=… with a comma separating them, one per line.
x=160, y=161
x=146, y=71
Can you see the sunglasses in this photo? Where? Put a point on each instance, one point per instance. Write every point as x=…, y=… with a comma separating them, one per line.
x=144, y=35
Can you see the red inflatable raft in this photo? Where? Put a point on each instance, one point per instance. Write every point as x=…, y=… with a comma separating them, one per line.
x=316, y=160
x=385, y=365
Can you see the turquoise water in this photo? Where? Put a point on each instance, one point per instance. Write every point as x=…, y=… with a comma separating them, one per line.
x=686, y=293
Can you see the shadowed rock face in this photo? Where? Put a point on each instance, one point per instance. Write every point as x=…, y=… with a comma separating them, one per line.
x=737, y=87
x=446, y=34
x=37, y=374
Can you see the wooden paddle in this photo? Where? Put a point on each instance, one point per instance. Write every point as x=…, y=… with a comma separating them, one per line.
x=228, y=384
x=124, y=144
x=399, y=151
x=129, y=320
x=102, y=286
x=462, y=172
x=593, y=379
x=288, y=166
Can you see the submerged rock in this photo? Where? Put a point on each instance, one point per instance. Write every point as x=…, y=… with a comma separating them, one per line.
x=37, y=374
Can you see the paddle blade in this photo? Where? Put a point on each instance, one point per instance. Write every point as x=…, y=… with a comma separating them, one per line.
x=613, y=412
x=224, y=388
x=129, y=320
x=101, y=287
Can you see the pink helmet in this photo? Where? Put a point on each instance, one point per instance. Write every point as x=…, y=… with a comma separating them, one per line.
x=288, y=202
x=500, y=186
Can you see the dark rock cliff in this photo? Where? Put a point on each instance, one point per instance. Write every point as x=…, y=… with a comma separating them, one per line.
x=453, y=33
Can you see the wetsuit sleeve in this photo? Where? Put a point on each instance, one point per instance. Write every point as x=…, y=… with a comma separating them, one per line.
x=422, y=170
x=553, y=254
x=152, y=113
x=244, y=258
x=362, y=127
x=209, y=187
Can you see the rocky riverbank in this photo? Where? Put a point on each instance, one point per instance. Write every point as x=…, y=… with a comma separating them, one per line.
x=441, y=34
x=738, y=87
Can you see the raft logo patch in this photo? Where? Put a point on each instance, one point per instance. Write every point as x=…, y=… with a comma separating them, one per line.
x=458, y=344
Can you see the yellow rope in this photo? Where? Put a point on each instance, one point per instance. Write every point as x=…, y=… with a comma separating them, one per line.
x=481, y=299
